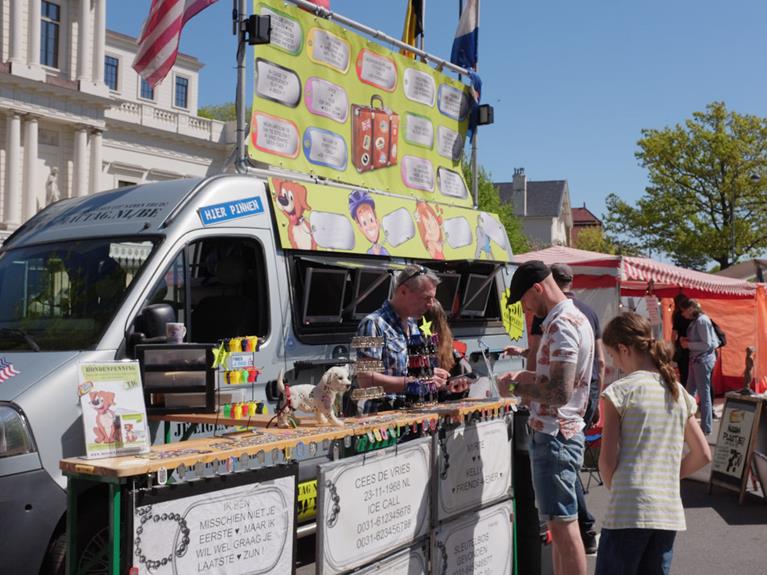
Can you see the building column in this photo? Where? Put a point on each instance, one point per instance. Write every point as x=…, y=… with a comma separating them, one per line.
x=82, y=42
x=81, y=161
x=35, y=18
x=30, y=194
x=17, y=31
x=95, y=183
x=99, y=41
x=12, y=212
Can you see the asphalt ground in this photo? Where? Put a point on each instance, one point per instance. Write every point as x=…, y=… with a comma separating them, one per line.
x=722, y=536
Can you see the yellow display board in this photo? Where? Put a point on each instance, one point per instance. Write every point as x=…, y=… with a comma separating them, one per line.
x=332, y=103
x=326, y=218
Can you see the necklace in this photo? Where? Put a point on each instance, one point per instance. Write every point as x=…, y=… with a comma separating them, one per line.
x=145, y=513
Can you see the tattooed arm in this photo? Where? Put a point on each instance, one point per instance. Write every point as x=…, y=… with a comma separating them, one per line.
x=554, y=390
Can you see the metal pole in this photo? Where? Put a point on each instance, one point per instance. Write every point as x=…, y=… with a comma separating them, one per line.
x=474, y=171
x=241, y=161
x=732, y=226
x=329, y=15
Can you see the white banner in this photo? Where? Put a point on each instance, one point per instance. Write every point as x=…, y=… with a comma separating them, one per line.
x=372, y=504
x=246, y=529
x=481, y=543
x=474, y=467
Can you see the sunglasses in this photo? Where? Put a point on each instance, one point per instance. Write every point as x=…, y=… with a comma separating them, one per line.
x=414, y=274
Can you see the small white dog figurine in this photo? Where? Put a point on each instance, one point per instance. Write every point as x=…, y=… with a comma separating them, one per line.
x=320, y=398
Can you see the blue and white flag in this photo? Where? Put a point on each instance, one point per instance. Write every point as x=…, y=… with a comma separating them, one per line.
x=466, y=40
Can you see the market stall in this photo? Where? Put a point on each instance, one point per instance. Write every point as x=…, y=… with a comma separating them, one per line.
x=737, y=306
x=229, y=502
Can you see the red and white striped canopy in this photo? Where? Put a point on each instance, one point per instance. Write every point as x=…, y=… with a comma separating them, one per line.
x=636, y=275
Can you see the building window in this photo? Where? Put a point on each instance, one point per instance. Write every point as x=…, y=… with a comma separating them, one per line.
x=182, y=92
x=49, y=34
x=147, y=92
x=111, y=68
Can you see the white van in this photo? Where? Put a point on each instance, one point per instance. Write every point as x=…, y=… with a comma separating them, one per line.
x=80, y=280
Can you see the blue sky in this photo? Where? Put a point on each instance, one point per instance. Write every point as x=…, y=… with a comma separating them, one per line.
x=572, y=83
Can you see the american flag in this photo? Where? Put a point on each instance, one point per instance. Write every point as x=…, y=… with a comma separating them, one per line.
x=6, y=370
x=158, y=43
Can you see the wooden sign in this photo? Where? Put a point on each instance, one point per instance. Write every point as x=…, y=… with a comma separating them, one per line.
x=371, y=505
x=231, y=526
x=481, y=543
x=738, y=431
x=473, y=467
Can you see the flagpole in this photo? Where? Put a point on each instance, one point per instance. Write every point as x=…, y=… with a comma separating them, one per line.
x=474, y=173
x=241, y=162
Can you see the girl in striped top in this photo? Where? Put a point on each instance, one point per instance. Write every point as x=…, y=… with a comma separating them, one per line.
x=648, y=417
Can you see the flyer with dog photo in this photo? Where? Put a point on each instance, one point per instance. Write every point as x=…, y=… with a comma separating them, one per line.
x=114, y=415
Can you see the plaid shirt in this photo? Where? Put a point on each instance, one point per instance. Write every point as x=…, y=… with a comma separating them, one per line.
x=385, y=322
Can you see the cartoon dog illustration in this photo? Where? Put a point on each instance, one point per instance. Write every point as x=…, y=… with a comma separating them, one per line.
x=320, y=398
x=103, y=402
x=292, y=199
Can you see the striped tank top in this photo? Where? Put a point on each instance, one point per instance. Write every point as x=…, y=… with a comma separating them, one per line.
x=645, y=489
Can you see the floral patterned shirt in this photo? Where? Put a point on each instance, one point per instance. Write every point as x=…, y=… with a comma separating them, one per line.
x=567, y=338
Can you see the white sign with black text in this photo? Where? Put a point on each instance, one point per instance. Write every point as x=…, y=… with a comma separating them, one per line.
x=408, y=562
x=474, y=463
x=734, y=436
x=372, y=504
x=245, y=529
x=480, y=543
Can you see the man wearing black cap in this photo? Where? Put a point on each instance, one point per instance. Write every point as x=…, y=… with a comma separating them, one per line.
x=558, y=391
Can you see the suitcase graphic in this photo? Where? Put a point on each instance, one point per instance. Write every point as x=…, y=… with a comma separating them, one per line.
x=375, y=131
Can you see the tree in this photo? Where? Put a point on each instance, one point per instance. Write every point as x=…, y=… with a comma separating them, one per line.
x=490, y=201
x=708, y=190
x=223, y=112
x=592, y=239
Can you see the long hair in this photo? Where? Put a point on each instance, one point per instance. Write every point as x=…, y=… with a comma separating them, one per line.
x=694, y=305
x=436, y=314
x=633, y=331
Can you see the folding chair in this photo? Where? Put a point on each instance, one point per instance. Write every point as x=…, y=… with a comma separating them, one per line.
x=592, y=442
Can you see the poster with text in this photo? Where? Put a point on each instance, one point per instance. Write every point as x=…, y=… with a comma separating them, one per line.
x=480, y=543
x=114, y=414
x=244, y=529
x=329, y=102
x=371, y=505
x=474, y=466
x=732, y=444
x=319, y=217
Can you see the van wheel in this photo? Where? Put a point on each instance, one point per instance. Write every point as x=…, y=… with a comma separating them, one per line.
x=54, y=562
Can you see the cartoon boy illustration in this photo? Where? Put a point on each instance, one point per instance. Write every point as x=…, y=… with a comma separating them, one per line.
x=363, y=211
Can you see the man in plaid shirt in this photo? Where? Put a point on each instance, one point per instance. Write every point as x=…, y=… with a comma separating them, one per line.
x=414, y=291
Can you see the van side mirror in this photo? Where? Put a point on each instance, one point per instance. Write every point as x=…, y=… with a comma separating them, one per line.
x=149, y=326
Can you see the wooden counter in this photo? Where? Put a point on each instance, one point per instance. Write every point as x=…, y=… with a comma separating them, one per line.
x=262, y=439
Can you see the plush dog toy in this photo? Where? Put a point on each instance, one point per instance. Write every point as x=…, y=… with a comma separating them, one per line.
x=320, y=398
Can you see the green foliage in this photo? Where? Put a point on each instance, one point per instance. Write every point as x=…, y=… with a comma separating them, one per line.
x=708, y=181
x=490, y=201
x=592, y=239
x=223, y=112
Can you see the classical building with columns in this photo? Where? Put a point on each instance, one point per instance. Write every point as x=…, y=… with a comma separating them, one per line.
x=78, y=119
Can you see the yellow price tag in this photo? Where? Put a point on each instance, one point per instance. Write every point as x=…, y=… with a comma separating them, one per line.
x=307, y=500
x=512, y=316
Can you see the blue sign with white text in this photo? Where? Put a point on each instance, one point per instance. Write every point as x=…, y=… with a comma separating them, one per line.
x=230, y=210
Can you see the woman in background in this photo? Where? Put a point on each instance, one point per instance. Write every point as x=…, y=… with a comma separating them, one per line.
x=648, y=417
x=447, y=358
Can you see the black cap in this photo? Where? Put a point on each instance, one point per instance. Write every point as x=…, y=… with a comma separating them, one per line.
x=563, y=274
x=528, y=274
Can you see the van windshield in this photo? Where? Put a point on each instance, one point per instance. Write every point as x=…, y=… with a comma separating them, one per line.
x=61, y=296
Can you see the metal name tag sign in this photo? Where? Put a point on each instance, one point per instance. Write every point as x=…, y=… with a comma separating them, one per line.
x=408, y=562
x=245, y=529
x=481, y=543
x=372, y=504
x=473, y=466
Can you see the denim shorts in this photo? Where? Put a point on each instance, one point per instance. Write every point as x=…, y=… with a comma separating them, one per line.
x=556, y=462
